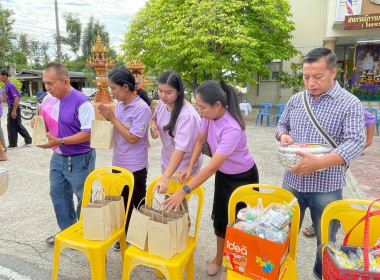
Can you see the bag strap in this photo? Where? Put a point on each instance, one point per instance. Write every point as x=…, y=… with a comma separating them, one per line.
x=208, y=124
x=365, y=218
x=315, y=122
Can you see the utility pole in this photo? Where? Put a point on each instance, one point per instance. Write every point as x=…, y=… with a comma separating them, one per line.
x=58, y=36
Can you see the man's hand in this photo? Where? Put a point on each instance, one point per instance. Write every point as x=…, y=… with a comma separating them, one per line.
x=33, y=122
x=286, y=140
x=14, y=115
x=184, y=176
x=52, y=141
x=309, y=164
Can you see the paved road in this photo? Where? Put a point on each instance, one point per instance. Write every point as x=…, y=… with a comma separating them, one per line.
x=27, y=215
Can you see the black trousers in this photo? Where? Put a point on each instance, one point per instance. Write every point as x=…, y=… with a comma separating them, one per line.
x=139, y=192
x=14, y=127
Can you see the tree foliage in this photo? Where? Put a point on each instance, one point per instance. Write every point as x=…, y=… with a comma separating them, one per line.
x=74, y=32
x=211, y=39
x=6, y=35
x=294, y=79
x=89, y=35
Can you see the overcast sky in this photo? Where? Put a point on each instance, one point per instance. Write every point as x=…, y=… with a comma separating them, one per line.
x=37, y=18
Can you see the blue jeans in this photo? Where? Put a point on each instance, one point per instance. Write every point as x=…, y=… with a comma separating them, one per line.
x=317, y=202
x=65, y=183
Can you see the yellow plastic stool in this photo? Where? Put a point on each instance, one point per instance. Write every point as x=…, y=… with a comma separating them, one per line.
x=170, y=268
x=72, y=237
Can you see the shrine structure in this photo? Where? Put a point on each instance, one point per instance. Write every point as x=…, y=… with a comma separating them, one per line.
x=137, y=69
x=101, y=62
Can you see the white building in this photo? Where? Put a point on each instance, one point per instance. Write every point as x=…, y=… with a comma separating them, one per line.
x=322, y=23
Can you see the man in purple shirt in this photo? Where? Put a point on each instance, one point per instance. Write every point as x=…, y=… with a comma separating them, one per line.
x=14, y=125
x=68, y=116
x=341, y=115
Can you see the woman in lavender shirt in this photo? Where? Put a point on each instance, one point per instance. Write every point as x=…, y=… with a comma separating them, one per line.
x=231, y=161
x=131, y=121
x=177, y=122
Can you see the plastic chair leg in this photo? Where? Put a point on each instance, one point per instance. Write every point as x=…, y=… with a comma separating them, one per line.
x=190, y=268
x=160, y=274
x=57, y=252
x=127, y=268
x=123, y=247
x=98, y=265
x=176, y=273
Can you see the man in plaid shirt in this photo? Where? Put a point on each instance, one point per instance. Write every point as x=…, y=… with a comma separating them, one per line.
x=341, y=115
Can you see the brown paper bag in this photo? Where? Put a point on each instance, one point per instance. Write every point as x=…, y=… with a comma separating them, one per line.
x=182, y=228
x=102, y=135
x=39, y=132
x=162, y=240
x=137, y=233
x=117, y=209
x=96, y=221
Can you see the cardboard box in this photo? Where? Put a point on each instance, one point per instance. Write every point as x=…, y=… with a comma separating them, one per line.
x=253, y=256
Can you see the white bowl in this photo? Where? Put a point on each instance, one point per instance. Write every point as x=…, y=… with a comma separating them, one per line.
x=287, y=157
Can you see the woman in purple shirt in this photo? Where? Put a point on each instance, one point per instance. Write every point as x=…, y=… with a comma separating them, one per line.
x=131, y=121
x=231, y=161
x=177, y=123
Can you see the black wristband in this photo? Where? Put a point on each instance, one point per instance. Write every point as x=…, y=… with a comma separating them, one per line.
x=279, y=136
x=186, y=189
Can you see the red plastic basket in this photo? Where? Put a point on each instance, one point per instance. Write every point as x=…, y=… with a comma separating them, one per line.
x=332, y=271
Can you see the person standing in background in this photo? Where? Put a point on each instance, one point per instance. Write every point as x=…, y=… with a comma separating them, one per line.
x=14, y=124
x=2, y=139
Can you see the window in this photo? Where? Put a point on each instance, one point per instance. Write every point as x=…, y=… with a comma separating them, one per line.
x=275, y=66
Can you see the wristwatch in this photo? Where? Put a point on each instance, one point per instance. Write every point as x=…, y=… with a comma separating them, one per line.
x=186, y=189
x=62, y=142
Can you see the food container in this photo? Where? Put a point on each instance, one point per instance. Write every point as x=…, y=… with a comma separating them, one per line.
x=3, y=180
x=287, y=157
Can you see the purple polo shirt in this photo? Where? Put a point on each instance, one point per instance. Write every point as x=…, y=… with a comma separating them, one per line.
x=68, y=116
x=11, y=92
x=135, y=116
x=226, y=137
x=1, y=103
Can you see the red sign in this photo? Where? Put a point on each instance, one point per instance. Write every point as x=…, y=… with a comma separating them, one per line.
x=362, y=22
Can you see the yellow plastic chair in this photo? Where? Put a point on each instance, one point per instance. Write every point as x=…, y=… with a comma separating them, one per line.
x=72, y=237
x=268, y=194
x=349, y=212
x=170, y=268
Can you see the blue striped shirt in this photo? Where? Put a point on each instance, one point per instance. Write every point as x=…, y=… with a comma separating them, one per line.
x=341, y=115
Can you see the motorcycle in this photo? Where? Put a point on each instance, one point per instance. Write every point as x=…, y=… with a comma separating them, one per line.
x=29, y=108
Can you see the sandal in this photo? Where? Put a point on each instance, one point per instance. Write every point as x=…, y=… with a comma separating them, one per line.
x=50, y=240
x=309, y=231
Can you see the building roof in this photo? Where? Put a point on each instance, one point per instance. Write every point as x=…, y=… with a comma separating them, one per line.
x=28, y=74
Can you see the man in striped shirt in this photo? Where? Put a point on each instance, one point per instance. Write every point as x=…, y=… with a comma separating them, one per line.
x=341, y=115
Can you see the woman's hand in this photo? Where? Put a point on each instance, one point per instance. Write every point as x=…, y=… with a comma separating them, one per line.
x=174, y=201
x=154, y=131
x=184, y=176
x=162, y=185
x=106, y=112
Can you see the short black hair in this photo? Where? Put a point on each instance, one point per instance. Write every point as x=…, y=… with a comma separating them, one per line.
x=317, y=54
x=4, y=73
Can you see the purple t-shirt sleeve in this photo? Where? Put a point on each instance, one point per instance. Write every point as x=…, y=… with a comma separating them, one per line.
x=186, y=125
x=369, y=119
x=140, y=121
x=230, y=138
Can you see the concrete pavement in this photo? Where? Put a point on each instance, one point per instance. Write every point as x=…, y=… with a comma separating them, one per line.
x=27, y=216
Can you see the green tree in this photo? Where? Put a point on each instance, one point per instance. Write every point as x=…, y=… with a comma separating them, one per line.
x=74, y=31
x=211, y=39
x=90, y=33
x=294, y=79
x=6, y=35
x=23, y=43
